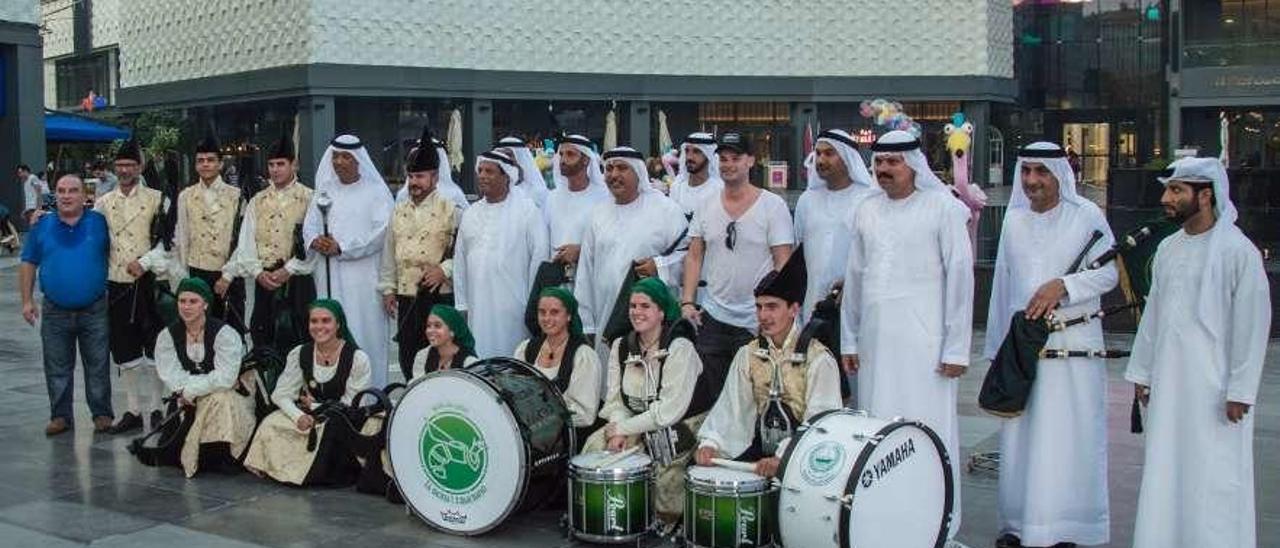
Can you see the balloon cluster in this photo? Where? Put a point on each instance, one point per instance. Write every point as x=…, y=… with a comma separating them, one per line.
x=889, y=115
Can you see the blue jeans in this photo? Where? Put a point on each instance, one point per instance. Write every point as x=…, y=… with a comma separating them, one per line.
x=60, y=331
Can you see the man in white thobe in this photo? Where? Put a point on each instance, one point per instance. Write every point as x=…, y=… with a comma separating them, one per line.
x=529, y=180
x=351, y=244
x=907, y=307
x=1053, y=466
x=838, y=181
x=699, y=175
x=638, y=230
x=501, y=242
x=580, y=187
x=1197, y=359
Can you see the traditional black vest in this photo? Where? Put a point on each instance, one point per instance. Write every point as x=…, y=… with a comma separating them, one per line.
x=565, y=373
x=331, y=390
x=178, y=332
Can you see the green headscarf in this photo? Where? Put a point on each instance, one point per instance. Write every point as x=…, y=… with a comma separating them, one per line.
x=335, y=308
x=657, y=290
x=570, y=304
x=461, y=334
x=197, y=286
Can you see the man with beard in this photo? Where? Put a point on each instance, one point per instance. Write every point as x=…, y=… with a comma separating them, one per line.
x=130, y=209
x=838, y=182
x=270, y=253
x=580, y=187
x=699, y=175
x=1197, y=361
x=736, y=238
x=417, y=257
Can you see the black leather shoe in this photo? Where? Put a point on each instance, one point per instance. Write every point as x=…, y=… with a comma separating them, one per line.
x=156, y=417
x=128, y=422
x=1008, y=540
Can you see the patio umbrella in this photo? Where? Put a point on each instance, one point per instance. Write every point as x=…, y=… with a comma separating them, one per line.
x=611, y=130
x=453, y=139
x=664, y=134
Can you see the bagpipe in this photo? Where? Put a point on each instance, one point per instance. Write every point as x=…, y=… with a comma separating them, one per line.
x=619, y=322
x=347, y=424
x=1007, y=385
x=162, y=446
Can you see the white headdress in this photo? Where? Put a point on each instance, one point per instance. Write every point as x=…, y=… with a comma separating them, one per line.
x=635, y=161
x=530, y=176
x=847, y=148
x=595, y=167
x=705, y=142
x=906, y=144
x=327, y=179
x=1054, y=158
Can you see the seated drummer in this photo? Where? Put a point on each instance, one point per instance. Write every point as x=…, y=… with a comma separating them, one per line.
x=198, y=359
x=655, y=387
x=290, y=446
x=562, y=354
x=449, y=343
x=810, y=382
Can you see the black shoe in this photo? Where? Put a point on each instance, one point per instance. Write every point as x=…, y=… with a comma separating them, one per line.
x=128, y=422
x=156, y=417
x=1008, y=540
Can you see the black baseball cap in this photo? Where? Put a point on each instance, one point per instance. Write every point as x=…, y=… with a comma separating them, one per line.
x=735, y=141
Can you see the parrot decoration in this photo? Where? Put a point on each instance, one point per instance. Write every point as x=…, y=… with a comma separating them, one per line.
x=959, y=149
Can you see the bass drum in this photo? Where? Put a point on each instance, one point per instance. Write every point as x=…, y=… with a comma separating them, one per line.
x=852, y=480
x=470, y=447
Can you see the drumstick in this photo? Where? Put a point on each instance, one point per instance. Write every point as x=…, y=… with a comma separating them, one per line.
x=617, y=457
x=734, y=465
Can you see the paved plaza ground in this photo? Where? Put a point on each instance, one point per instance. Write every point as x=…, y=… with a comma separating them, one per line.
x=82, y=487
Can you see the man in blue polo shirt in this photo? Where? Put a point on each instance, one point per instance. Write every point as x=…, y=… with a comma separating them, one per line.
x=70, y=250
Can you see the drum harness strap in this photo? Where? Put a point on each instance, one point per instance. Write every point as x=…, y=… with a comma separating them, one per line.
x=666, y=443
x=777, y=421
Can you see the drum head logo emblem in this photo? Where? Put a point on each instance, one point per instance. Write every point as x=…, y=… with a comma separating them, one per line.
x=823, y=463
x=453, y=453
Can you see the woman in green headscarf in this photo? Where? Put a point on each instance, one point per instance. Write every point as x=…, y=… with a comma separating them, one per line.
x=198, y=359
x=655, y=391
x=329, y=368
x=562, y=354
x=449, y=342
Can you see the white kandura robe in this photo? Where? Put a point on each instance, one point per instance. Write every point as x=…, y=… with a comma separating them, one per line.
x=1053, y=466
x=824, y=224
x=1197, y=478
x=731, y=423
x=496, y=256
x=568, y=213
x=689, y=197
x=358, y=221
x=614, y=238
x=907, y=308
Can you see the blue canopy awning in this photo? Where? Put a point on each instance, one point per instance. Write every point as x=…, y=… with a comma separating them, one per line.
x=69, y=128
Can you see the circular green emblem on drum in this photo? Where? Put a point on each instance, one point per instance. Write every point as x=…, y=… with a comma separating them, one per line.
x=823, y=463
x=453, y=453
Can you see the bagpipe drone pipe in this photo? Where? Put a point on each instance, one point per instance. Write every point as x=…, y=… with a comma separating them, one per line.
x=1007, y=385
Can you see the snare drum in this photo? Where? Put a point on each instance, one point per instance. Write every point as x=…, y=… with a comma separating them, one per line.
x=609, y=498
x=726, y=508
x=470, y=447
x=849, y=479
